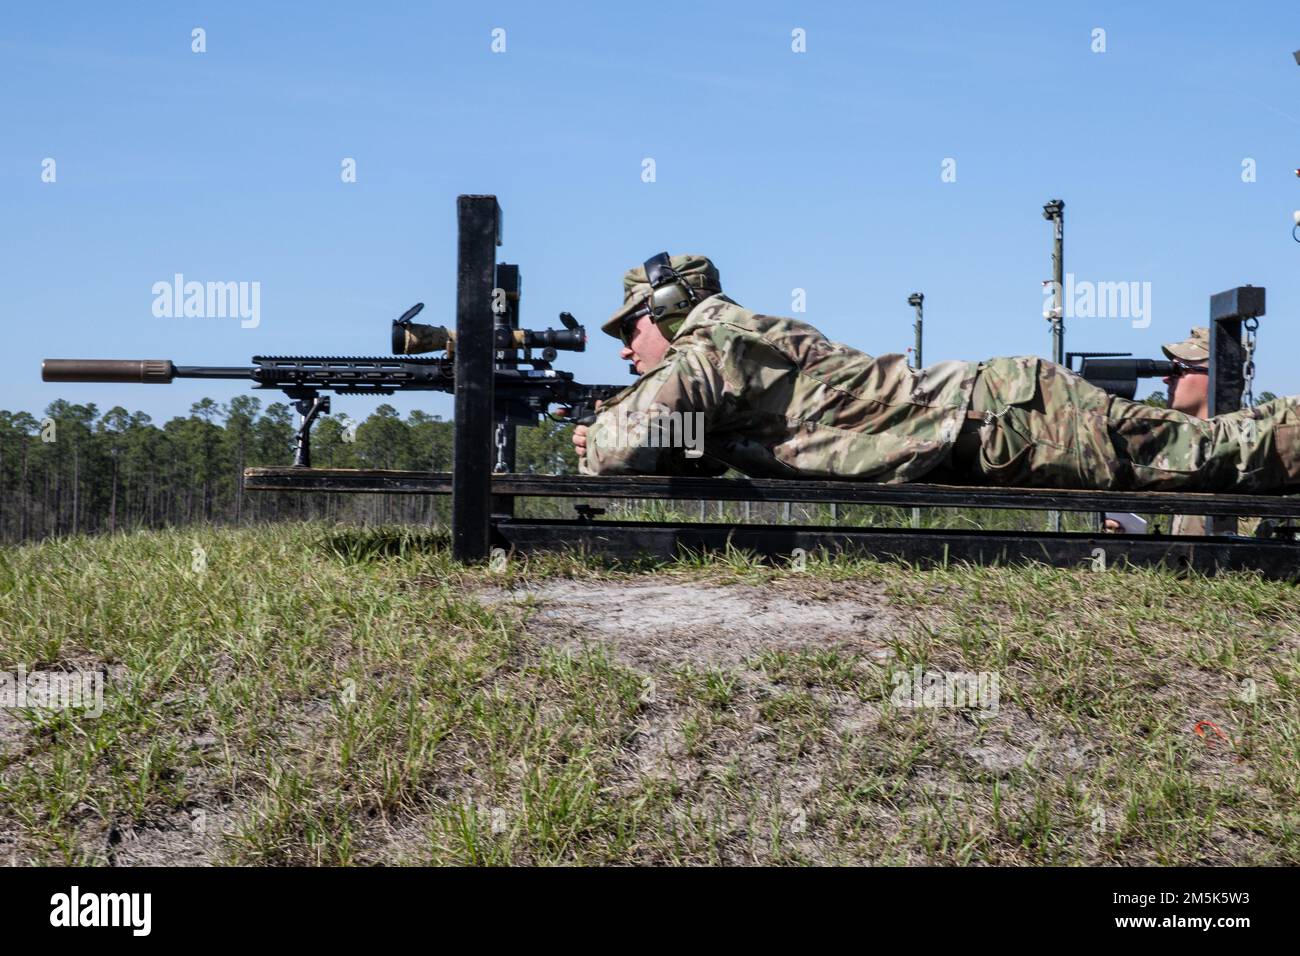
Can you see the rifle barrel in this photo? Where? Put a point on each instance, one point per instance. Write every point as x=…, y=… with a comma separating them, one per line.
x=213, y=371
x=148, y=371
x=159, y=371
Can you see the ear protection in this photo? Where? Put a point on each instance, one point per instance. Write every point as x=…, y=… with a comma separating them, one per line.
x=671, y=295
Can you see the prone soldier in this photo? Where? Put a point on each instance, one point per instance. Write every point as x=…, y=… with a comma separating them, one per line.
x=1189, y=392
x=776, y=398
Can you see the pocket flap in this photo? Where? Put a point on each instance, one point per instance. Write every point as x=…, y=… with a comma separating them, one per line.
x=1013, y=381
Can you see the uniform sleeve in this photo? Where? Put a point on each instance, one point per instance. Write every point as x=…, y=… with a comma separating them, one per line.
x=658, y=426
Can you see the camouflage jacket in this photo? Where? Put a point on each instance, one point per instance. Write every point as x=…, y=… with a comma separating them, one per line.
x=773, y=397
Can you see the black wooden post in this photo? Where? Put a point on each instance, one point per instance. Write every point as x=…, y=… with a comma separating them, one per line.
x=479, y=224
x=1227, y=379
x=1227, y=311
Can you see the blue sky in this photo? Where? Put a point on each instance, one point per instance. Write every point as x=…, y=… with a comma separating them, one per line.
x=818, y=170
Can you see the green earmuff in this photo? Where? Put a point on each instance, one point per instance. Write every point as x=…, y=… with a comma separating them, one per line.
x=671, y=295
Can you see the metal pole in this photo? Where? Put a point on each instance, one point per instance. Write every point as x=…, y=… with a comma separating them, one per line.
x=916, y=300
x=509, y=283
x=1054, y=212
x=479, y=223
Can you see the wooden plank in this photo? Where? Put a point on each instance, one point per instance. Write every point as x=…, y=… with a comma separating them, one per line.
x=628, y=540
x=775, y=489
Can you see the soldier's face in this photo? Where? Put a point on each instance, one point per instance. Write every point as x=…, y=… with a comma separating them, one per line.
x=647, y=346
x=1189, y=393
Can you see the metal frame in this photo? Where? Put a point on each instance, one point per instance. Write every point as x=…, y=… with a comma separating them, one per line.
x=664, y=540
x=483, y=502
x=1276, y=560
x=508, y=284
x=1227, y=312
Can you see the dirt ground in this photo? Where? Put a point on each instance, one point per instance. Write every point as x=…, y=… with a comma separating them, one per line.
x=661, y=627
x=659, y=623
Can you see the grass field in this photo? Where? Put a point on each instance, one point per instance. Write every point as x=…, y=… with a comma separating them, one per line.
x=304, y=694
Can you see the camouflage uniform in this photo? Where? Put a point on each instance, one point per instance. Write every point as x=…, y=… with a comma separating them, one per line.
x=780, y=400
x=1195, y=349
x=1053, y=429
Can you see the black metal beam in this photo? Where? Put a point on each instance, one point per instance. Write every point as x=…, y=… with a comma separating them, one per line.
x=665, y=541
x=776, y=489
x=479, y=222
x=506, y=315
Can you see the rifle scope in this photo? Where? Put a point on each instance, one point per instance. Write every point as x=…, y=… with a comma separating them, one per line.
x=414, y=338
x=1119, y=376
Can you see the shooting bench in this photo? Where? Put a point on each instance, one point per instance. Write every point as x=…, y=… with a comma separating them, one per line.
x=483, y=484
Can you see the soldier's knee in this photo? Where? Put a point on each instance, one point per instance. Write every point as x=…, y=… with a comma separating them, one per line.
x=1286, y=452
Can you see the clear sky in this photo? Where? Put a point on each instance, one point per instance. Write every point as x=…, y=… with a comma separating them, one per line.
x=819, y=170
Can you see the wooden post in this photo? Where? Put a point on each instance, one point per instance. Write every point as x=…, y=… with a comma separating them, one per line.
x=479, y=223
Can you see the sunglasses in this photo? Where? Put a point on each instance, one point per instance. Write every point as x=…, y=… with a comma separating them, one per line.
x=1182, y=368
x=627, y=329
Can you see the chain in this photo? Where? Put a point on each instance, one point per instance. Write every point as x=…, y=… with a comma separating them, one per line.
x=500, y=467
x=1248, y=366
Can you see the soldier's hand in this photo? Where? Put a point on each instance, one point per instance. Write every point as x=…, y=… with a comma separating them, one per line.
x=565, y=410
x=580, y=441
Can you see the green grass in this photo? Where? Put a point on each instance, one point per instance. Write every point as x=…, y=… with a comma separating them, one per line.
x=314, y=695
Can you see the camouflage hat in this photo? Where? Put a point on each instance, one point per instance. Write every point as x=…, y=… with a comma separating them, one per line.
x=1193, y=349
x=697, y=271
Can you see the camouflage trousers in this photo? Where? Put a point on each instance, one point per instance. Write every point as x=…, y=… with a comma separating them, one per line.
x=1052, y=429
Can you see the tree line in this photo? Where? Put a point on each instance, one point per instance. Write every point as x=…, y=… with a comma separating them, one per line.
x=77, y=470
